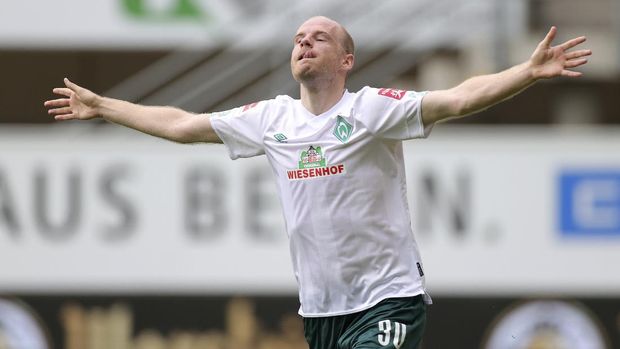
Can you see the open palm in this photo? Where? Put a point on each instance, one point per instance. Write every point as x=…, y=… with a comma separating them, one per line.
x=78, y=103
x=551, y=61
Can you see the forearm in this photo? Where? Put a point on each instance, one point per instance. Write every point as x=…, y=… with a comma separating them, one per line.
x=477, y=93
x=481, y=92
x=153, y=120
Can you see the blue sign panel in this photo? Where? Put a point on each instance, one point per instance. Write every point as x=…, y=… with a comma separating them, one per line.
x=589, y=203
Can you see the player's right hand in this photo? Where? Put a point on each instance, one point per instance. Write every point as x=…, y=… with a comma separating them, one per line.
x=78, y=103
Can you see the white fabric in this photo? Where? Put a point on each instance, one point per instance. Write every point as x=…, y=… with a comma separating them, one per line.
x=344, y=199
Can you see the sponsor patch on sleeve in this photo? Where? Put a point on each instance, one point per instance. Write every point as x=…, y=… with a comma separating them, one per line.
x=249, y=106
x=392, y=93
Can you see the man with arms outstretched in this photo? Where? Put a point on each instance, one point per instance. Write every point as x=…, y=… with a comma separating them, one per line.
x=338, y=163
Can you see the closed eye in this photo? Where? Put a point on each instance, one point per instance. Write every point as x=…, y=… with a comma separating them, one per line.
x=321, y=37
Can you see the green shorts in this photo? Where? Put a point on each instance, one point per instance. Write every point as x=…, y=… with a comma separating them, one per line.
x=394, y=323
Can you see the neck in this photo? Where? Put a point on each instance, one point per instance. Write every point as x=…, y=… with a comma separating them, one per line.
x=319, y=98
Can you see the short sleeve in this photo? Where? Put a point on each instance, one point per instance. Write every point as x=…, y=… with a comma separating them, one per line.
x=392, y=113
x=242, y=129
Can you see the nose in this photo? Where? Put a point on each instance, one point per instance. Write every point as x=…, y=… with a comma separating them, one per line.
x=305, y=41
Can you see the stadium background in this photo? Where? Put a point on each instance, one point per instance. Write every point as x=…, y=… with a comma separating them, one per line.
x=109, y=238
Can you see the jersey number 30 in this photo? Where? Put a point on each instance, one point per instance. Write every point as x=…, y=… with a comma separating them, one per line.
x=400, y=330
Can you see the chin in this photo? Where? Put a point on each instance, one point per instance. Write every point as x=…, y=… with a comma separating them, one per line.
x=304, y=75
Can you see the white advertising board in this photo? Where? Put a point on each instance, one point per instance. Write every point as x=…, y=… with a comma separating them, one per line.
x=495, y=211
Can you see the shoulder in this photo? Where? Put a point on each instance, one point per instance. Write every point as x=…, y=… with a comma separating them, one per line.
x=278, y=102
x=262, y=107
x=268, y=103
x=282, y=100
x=255, y=112
x=386, y=96
x=377, y=97
x=387, y=93
x=281, y=105
x=379, y=94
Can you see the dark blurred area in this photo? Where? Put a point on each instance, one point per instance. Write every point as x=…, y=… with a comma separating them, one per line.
x=32, y=75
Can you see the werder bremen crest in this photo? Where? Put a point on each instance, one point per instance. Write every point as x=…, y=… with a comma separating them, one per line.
x=312, y=164
x=343, y=129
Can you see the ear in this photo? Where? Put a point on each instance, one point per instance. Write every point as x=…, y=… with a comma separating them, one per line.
x=347, y=62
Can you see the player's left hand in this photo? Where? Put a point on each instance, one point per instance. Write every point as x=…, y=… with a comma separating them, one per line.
x=550, y=61
x=77, y=103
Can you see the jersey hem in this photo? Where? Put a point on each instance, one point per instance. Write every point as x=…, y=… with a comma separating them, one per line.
x=367, y=306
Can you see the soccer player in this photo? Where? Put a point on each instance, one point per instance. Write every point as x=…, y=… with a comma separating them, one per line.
x=338, y=162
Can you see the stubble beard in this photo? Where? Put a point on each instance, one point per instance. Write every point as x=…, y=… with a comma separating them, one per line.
x=302, y=73
x=311, y=78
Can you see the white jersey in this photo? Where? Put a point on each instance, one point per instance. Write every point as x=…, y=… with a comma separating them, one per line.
x=341, y=180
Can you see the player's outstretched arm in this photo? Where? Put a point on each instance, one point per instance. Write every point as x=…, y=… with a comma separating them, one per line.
x=481, y=92
x=78, y=103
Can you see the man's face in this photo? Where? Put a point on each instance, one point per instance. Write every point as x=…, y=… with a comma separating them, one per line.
x=317, y=51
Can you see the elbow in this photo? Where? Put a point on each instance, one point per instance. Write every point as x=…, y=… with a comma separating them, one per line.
x=179, y=134
x=184, y=137
x=464, y=106
x=460, y=106
x=454, y=103
x=181, y=140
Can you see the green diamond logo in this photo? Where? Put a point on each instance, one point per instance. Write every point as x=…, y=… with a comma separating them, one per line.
x=343, y=129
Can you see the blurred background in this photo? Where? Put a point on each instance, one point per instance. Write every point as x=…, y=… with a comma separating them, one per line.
x=113, y=239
